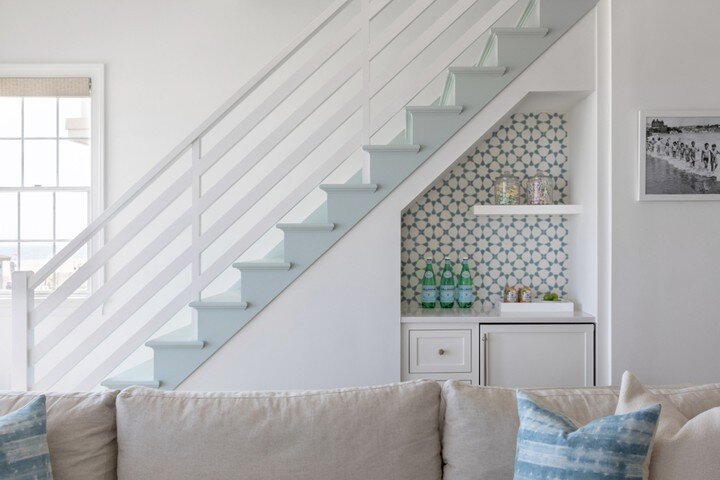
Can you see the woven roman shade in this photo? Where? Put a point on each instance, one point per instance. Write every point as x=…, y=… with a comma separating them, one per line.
x=44, y=87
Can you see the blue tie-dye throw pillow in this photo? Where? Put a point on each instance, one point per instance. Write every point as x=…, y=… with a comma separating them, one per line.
x=551, y=446
x=23, y=443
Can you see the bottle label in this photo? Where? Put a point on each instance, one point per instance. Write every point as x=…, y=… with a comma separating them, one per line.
x=429, y=294
x=465, y=294
x=447, y=293
x=465, y=274
x=447, y=274
x=428, y=275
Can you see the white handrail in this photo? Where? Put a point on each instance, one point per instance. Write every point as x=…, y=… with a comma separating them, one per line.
x=250, y=86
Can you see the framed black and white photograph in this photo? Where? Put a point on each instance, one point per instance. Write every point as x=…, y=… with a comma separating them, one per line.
x=679, y=154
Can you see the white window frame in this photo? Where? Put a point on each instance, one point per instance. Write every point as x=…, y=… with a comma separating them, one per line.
x=96, y=73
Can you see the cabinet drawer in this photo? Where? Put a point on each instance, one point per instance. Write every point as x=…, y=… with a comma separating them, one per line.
x=440, y=351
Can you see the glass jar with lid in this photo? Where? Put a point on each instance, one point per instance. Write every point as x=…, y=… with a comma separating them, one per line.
x=507, y=189
x=539, y=190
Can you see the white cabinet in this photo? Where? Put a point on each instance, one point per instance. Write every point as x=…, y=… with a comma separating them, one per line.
x=547, y=351
x=523, y=356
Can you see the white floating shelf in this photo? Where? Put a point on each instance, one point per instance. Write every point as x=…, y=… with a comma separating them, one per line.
x=527, y=209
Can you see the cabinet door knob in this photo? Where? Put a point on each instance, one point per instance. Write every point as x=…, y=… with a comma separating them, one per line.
x=441, y=351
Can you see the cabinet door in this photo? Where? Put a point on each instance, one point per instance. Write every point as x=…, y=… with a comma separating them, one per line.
x=524, y=356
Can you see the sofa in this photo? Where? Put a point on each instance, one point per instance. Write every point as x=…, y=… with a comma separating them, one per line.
x=414, y=430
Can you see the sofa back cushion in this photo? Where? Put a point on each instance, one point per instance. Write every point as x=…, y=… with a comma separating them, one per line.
x=81, y=432
x=481, y=423
x=382, y=433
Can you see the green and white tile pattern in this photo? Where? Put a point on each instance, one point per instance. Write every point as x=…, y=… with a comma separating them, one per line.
x=518, y=250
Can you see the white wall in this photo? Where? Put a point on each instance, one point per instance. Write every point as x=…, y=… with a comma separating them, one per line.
x=339, y=323
x=169, y=64
x=666, y=256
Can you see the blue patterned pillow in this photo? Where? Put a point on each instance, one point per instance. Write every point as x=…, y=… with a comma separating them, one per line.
x=23, y=443
x=550, y=445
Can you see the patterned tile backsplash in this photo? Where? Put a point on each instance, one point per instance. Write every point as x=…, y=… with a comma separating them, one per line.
x=528, y=251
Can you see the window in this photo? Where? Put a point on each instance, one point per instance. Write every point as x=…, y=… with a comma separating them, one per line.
x=46, y=173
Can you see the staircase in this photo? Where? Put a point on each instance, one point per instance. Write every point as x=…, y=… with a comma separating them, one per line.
x=519, y=33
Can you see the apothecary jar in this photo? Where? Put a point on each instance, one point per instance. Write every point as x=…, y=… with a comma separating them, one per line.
x=507, y=189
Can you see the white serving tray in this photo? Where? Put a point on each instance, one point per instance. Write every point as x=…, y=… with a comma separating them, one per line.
x=540, y=306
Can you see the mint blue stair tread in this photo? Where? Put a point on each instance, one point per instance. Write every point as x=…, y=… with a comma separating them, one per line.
x=521, y=31
x=349, y=187
x=306, y=227
x=229, y=299
x=263, y=265
x=492, y=71
x=439, y=109
x=141, y=375
x=392, y=148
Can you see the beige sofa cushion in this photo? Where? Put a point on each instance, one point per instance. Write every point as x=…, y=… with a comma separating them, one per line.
x=480, y=424
x=383, y=433
x=80, y=432
x=684, y=447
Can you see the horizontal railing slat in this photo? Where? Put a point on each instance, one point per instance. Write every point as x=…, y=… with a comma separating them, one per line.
x=250, y=198
x=276, y=214
x=377, y=6
x=110, y=287
x=282, y=93
x=271, y=141
x=399, y=26
x=419, y=82
x=108, y=326
x=108, y=250
x=421, y=43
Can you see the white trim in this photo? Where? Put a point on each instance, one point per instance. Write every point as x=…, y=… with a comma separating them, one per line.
x=96, y=73
x=641, y=195
x=527, y=209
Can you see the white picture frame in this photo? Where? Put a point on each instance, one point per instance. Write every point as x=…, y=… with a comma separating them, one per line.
x=670, y=177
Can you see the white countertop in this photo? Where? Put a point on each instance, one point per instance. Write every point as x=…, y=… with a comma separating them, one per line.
x=416, y=314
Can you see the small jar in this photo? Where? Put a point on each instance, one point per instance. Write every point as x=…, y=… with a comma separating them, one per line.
x=539, y=190
x=525, y=295
x=507, y=189
x=510, y=295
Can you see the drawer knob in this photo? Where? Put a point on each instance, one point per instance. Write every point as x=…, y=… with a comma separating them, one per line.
x=441, y=351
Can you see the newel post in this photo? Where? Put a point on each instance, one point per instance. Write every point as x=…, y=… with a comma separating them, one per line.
x=21, y=336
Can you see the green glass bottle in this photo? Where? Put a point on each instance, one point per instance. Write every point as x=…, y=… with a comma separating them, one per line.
x=465, y=286
x=447, y=286
x=429, y=286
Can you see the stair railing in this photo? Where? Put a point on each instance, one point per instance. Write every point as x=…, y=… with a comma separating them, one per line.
x=27, y=316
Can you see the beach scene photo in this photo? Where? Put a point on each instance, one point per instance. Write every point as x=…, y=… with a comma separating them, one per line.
x=681, y=156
